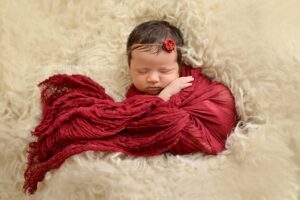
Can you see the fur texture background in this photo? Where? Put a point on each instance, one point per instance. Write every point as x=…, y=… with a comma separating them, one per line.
x=252, y=46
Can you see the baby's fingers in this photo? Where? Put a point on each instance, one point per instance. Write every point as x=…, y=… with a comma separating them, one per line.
x=187, y=79
x=187, y=85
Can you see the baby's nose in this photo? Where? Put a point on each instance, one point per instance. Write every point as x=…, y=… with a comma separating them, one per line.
x=153, y=77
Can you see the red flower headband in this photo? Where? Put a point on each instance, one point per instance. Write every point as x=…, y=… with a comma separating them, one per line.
x=169, y=45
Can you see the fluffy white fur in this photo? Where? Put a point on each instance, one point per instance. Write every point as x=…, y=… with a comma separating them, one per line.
x=251, y=46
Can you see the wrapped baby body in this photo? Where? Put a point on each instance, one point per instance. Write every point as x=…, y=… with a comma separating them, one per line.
x=79, y=116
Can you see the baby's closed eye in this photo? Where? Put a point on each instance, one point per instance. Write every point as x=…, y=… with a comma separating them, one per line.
x=142, y=71
x=165, y=70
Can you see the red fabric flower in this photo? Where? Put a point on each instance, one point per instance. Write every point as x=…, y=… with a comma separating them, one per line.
x=169, y=45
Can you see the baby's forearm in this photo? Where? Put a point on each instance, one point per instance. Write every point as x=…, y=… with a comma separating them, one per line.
x=175, y=86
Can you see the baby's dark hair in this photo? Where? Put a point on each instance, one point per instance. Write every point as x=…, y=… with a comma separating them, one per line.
x=154, y=32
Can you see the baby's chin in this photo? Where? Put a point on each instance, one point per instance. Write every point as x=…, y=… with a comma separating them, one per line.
x=152, y=91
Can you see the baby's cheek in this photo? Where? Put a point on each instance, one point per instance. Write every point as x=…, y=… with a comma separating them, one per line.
x=171, y=78
x=138, y=82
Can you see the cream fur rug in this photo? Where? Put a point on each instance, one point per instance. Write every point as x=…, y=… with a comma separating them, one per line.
x=252, y=46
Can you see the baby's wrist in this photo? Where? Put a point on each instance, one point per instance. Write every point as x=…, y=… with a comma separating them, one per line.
x=164, y=95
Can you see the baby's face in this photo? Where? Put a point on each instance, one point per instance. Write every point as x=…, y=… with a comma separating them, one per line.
x=152, y=72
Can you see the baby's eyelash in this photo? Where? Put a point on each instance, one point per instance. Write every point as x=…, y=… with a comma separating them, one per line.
x=142, y=71
x=165, y=70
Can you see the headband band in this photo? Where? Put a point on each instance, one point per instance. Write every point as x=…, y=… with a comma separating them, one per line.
x=168, y=45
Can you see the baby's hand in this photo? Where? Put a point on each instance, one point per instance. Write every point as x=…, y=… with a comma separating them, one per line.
x=175, y=86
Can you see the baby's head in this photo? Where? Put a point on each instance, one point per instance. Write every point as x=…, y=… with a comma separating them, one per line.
x=154, y=55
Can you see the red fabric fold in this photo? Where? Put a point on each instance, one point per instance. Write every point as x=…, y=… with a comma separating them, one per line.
x=77, y=116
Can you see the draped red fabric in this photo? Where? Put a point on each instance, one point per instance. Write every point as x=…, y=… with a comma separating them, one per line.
x=77, y=116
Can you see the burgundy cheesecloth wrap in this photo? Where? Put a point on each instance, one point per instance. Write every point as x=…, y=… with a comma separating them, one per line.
x=79, y=116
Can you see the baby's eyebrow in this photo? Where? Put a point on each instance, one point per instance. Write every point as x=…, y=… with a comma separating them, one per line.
x=142, y=69
x=167, y=67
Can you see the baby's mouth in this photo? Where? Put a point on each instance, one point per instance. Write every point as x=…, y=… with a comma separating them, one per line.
x=153, y=90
